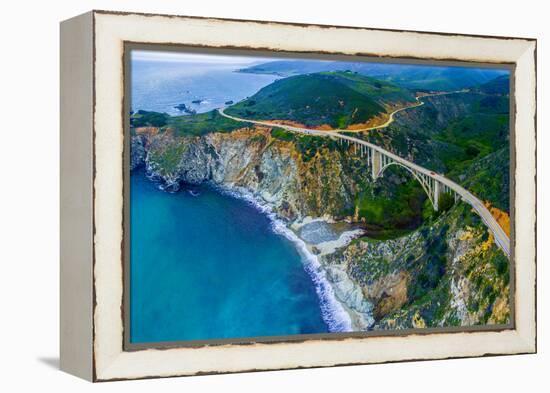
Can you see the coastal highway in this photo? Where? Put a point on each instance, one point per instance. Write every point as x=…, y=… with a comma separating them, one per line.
x=418, y=103
x=499, y=235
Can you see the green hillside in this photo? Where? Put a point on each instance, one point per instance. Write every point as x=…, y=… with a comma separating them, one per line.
x=500, y=85
x=186, y=125
x=335, y=98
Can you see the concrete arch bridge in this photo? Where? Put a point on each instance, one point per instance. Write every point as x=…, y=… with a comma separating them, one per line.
x=379, y=159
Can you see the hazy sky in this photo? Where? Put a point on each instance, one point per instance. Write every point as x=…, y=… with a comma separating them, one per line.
x=178, y=57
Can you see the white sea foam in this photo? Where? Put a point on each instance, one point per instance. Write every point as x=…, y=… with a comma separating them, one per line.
x=332, y=311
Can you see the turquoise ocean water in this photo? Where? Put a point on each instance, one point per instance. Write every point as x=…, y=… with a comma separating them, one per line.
x=211, y=266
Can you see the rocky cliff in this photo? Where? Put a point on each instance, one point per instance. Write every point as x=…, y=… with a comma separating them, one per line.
x=297, y=180
x=449, y=273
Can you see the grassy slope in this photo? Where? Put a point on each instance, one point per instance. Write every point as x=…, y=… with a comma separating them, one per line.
x=190, y=125
x=480, y=141
x=489, y=179
x=499, y=85
x=335, y=98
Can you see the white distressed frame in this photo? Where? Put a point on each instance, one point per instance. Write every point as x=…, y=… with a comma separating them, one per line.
x=111, y=30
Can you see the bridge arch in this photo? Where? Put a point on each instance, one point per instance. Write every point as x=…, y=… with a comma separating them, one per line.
x=426, y=186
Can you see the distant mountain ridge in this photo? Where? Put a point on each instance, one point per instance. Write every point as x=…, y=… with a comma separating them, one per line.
x=409, y=76
x=337, y=99
x=499, y=85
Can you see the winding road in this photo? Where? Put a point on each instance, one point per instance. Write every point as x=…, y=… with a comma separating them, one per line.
x=391, y=117
x=499, y=235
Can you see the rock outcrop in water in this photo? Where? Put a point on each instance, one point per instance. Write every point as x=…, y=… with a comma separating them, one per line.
x=445, y=270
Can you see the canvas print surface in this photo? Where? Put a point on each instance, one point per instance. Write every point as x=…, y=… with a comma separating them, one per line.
x=275, y=197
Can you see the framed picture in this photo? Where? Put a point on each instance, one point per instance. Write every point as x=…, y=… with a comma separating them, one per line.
x=245, y=195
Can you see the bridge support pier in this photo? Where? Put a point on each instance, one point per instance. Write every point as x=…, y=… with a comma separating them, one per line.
x=376, y=165
x=436, y=195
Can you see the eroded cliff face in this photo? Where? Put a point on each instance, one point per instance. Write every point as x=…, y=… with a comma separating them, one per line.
x=448, y=272
x=250, y=158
